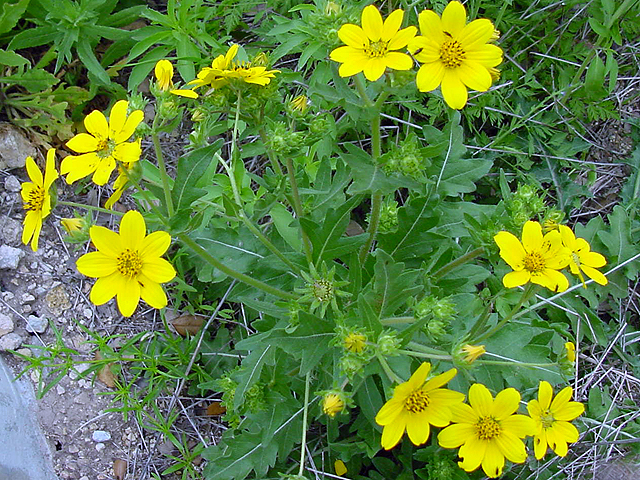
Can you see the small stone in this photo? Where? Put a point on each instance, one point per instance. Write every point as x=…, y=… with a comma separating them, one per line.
x=10, y=257
x=73, y=449
x=6, y=296
x=37, y=324
x=12, y=184
x=57, y=300
x=27, y=297
x=101, y=436
x=15, y=147
x=88, y=313
x=35, y=376
x=77, y=370
x=6, y=324
x=60, y=389
x=11, y=341
x=25, y=351
x=82, y=399
x=100, y=446
x=10, y=231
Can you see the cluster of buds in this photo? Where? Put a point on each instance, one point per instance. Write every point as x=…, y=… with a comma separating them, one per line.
x=525, y=203
x=407, y=159
x=465, y=354
x=388, y=216
x=334, y=402
x=436, y=313
x=322, y=290
x=281, y=140
x=77, y=228
x=356, y=349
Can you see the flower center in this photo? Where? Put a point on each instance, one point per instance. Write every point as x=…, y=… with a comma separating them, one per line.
x=322, y=290
x=488, y=428
x=547, y=419
x=533, y=262
x=376, y=49
x=452, y=54
x=417, y=402
x=36, y=199
x=129, y=263
x=576, y=259
x=105, y=147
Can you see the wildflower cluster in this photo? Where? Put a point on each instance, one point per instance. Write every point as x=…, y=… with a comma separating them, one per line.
x=539, y=258
x=455, y=55
x=487, y=430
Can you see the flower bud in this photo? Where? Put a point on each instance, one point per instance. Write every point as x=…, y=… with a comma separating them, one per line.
x=355, y=342
x=164, y=74
x=473, y=352
x=388, y=344
x=332, y=404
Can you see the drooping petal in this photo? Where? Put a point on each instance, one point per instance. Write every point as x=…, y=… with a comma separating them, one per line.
x=418, y=430
x=96, y=124
x=96, y=265
x=132, y=230
x=106, y=241
x=566, y=431
x=372, y=23
x=128, y=297
x=104, y=169
x=158, y=270
x=106, y=288
x=79, y=166
x=595, y=275
x=453, y=90
x=540, y=444
x=34, y=172
x=50, y=173
x=152, y=293
x=454, y=18
x=516, y=279
x=29, y=225
x=480, y=399
x=429, y=76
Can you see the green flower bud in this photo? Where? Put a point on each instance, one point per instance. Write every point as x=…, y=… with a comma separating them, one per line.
x=350, y=365
x=388, y=344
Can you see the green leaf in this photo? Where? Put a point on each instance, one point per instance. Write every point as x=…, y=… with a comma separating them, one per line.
x=34, y=80
x=283, y=220
x=594, y=79
x=191, y=168
x=12, y=59
x=367, y=177
x=88, y=58
x=369, y=399
x=10, y=14
x=618, y=241
x=34, y=37
x=251, y=370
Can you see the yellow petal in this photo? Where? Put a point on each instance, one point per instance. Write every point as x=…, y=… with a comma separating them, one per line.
x=540, y=444
x=374, y=68
x=391, y=434
x=351, y=68
x=516, y=279
x=155, y=244
x=532, y=236
x=106, y=288
x=132, y=230
x=475, y=76
x=398, y=61
x=519, y=425
x=83, y=143
x=476, y=33
x=96, y=265
x=472, y=453
x=488, y=55
x=402, y=38
x=353, y=36
x=545, y=394
x=29, y=225
x=127, y=152
x=50, y=174
x=429, y=76
x=185, y=93
x=96, y=124
x=431, y=26
x=79, y=166
x=420, y=375
x=455, y=435
x=133, y=120
x=418, y=430
x=565, y=431
x=389, y=411
x=551, y=279
x=595, y=275
x=106, y=241
x=440, y=380
x=480, y=399
x=128, y=297
x=34, y=172
x=454, y=18
x=152, y=293
x=505, y=404
x=372, y=23
x=158, y=270
x=104, y=169
x=493, y=461
x=453, y=90
x=463, y=413
x=391, y=26
x=117, y=118
x=36, y=232
x=592, y=259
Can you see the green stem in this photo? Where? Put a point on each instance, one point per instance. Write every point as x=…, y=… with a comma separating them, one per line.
x=387, y=369
x=424, y=349
x=275, y=164
x=163, y=169
x=457, y=262
x=362, y=91
x=297, y=208
x=520, y=364
x=89, y=207
x=529, y=291
x=145, y=194
x=397, y=320
x=241, y=277
x=425, y=355
x=305, y=416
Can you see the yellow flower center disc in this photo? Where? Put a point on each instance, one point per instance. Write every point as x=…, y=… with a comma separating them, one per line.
x=36, y=199
x=487, y=428
x=533, y=262
x=376, y=49
x=322, y=290
x=576, y=259
x=547, y=419
x=452, y=54
x=417, y=402
x=105, y=147
x=129, y=263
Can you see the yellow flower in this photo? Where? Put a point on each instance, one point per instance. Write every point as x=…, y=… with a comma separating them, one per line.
x=582, y=259
x=488, y=430
x=552, y=420
x=103, y=145
x=120, y=184
x=36, y=197
x=164, y=74
x=332, y=404
x=456, y=55
x=370, y=48
x=72, y=225
x=223, y=68
x=355, y=342
x=537, y=259
x=473, y=352
x=128, y=265
x=571, y=351
x=300, y=104
x=415, y=405
x=340, y=468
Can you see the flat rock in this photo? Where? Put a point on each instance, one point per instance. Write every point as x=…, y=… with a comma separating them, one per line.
x=101, y=436
x=10, y=341
x=37, y=324
x=14, y=147
x=10, y=231
x=6, y=324
x=10, y=257
x=57, y=300
x=12, y=184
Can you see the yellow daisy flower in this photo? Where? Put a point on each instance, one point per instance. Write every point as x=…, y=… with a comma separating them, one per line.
x=488, y=430
x=164, y=74
x=416, y=404
x=370, y=48
x=103, y=144
x=537, y=259
x=456, y=55
x=332, y=404
x=128, y=265
x=582, y=259
x=36, y=197
x=552, y=420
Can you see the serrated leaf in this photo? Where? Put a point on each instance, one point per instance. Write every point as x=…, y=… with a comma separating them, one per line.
x=12, y=59
x=10, y=14
x=367, y=177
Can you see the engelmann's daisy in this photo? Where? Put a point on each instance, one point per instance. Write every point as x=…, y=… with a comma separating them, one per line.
x=488, y=430
x=537, y=259
x=416, y=404
x=581, y=258
x=36, y=197
x=163, y=72
x=370, y=48
x=552, y=419
x=103, y=145
x=127, y=265
x=455, y=55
